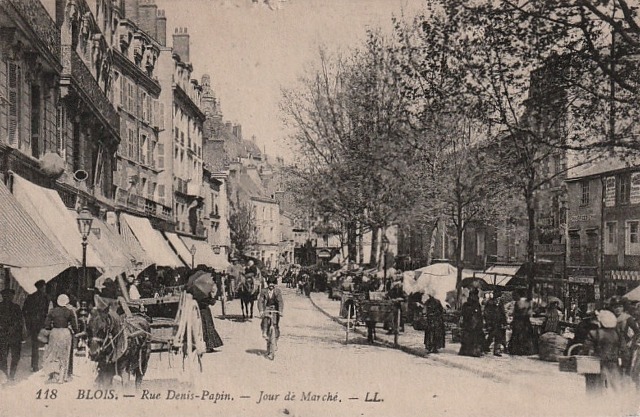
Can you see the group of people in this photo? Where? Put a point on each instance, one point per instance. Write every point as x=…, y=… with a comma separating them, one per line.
x=57, y=326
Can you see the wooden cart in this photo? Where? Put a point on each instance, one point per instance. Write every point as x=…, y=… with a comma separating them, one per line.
x=181, y=334
x=369, y=312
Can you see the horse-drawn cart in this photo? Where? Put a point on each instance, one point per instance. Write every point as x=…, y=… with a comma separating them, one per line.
x=372, y=310
x=181, y=334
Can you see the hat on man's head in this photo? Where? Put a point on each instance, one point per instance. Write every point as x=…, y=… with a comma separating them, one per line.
x=40, y=283
x=8, y=292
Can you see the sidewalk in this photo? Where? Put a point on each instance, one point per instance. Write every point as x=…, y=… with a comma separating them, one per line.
x=527, y=371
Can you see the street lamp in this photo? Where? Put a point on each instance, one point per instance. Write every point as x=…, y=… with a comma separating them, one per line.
x=84, y=226
x=193, y=255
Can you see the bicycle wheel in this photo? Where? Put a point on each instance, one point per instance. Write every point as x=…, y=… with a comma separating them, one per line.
x=271, y=342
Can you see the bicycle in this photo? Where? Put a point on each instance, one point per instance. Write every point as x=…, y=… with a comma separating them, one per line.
x=272, y=338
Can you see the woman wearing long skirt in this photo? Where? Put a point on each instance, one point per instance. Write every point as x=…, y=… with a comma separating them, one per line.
x=211, y=337
x=434, y=331
x=63, y=324
x=472, y=332
x=521, y=342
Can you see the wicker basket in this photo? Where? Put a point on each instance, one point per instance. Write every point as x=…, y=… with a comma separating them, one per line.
x=580, y=364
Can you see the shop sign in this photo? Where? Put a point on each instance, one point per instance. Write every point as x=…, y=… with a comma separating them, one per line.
x=582, y=280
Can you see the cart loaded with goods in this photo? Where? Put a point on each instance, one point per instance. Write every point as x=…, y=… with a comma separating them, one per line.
x=372, y=310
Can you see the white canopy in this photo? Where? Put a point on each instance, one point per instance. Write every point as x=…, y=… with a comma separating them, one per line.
x=438, y=279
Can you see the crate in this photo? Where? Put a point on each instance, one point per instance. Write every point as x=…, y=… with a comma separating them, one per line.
x=579, y=364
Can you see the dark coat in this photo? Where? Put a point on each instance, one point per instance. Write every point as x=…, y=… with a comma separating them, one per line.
x=35, y=310
x=604, y=343
x=264, y=300
x=10, y=321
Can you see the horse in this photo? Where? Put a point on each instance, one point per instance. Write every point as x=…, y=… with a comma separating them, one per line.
x=248, y=290
x=118, y=344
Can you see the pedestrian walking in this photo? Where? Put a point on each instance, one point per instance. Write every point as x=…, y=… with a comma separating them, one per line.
x=472, y=332
x=34, y=310
x=212, y=339
x=10, y=333
x=63, y=325
x=495, y=319
x=605, y=343
x=434, y=330
x=521, y=342
x=552, y=320
x=627, y=328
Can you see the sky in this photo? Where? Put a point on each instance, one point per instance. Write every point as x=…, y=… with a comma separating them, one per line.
x=251, y=51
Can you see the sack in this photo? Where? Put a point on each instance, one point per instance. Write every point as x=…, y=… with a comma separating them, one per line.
x=43, y=335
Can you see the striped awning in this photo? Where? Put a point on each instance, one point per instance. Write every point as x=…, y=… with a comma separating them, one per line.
x=205, y=255
x=25, y=248
x=179, y=247
x=151, y=240
x=46, y=208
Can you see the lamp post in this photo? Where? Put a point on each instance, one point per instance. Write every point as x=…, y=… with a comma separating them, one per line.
x=193, y=255
x=84, y=226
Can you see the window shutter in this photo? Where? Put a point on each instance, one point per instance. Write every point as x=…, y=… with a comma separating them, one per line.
x=123, y=92
x=149, y=151
x=160, y=119
x=14, y=102
x=160, y=156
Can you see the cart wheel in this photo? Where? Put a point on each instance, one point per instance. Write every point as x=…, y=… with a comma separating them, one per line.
x=569, y=352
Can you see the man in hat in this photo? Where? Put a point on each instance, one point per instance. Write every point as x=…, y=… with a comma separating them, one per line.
x=271, y=298
x=10, y=333
x=35, y=310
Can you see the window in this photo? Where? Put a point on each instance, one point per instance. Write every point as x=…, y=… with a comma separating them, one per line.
x=584, y=201
x=611, y=238
x=13, y=88
x=61, y=145
x=131, y=144
x=624, y=188
x=480, y=243
x=143, y=149
x=143, y=104
x=632, y=246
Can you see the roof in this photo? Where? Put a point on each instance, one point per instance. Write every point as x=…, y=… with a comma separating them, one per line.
x=602, y=166
x=24, y=246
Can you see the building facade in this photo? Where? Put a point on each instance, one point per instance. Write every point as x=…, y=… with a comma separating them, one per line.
x=182, y=135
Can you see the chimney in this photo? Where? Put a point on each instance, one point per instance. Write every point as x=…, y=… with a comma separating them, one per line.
x=60, y=12
x=147, y=16
x=131, y=10
x=161, y=28
x=237, y=131
x=181, y=44
x=228, y=127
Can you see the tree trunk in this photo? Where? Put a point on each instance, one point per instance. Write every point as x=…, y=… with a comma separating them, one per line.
x=373, y=261
x=360, y=245
x=352, y=242
x=432, y=242
x=531, y=241
x=459, y=255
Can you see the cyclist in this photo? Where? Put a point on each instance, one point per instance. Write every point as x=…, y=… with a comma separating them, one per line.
x=270, y=298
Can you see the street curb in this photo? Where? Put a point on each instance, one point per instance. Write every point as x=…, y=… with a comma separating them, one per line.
x=415, y=352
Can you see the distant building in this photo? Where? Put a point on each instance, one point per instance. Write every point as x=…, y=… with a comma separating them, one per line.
x=604, y=241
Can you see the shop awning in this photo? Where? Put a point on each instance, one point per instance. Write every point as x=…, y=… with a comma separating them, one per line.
x=499, y=274
x=179, y=247
x=25, y=248
x=57, y=222
x=111, y=247
x=151, y=240
x=205, y=255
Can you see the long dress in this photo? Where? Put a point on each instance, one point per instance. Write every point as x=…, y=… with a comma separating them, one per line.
x=434, y=331
x=211, y=337
x=58, y=350
x=472, y=333
x=521, y=342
